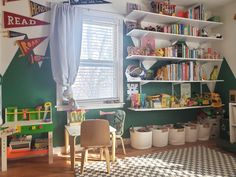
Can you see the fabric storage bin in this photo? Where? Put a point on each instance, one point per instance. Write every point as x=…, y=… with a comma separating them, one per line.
x=204, y=130
x=176, y=136
x=191, y=132
x=160, y=136
x=215, y=128
x=140, y=139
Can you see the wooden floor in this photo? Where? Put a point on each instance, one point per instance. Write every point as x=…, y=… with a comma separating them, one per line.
x=39, y=167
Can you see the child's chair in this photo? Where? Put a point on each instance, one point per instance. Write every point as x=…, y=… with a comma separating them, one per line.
x=117, y=120
x=73, y=118
x=95, y=134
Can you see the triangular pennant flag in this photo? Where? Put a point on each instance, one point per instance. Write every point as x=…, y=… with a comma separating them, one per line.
x=84, y=2
x=27, y=45
x=37, y=58
x=11, y=34
x=40, y=63
x=36, y=8
x=4, y=1
x=12, y=20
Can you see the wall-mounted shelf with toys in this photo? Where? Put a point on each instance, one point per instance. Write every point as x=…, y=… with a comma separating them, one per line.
x=139, y=33
x=22, y=122
x=138, y=15
x=173, y=47
x=174, y=59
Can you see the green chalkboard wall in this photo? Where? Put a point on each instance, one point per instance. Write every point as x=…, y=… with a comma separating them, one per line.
x=28, y=85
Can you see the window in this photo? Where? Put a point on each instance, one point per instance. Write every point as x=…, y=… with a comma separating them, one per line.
x=99, y=82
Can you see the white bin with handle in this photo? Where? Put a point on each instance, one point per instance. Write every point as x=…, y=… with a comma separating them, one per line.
x=177, y=136
x=204, y=130
x=191, y=132
x=160, y=136
x=140, y=138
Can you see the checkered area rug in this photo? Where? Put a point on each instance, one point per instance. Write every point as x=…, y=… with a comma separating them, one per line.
x=196, y=161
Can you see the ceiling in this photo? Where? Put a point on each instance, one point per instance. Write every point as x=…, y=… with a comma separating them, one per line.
x=210, y=4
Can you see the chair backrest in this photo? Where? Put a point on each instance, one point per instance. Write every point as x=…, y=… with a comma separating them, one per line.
x=76, y=117
x=116, y=119
x=95, y=133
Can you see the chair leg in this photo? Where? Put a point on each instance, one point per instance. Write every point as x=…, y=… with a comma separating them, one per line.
x=123, y=146
x=83, y=158
x=107, y=159
x=101, y=153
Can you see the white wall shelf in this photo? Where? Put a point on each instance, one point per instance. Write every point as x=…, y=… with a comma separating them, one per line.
x=169, y=109
x=139, y=33
x=177, y=59
x=173, y=81
x=138, y=15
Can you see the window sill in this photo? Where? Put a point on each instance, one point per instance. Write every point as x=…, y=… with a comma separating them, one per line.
x=91, y=106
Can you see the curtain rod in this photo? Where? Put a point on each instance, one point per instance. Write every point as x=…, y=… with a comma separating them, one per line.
x=68, y=2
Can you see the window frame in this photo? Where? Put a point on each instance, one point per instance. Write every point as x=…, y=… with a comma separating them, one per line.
x=96, y=103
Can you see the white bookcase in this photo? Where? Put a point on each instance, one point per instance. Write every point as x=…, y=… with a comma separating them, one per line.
x=232, y=122
x=136, y=34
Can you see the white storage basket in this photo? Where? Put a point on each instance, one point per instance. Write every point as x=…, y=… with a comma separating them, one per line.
x=140, y=140
x=204, y=130
x=160, y=136
x=191, y=132
x=176, y=136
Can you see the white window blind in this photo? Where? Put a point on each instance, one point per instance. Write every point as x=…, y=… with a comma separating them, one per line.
x=99, y=70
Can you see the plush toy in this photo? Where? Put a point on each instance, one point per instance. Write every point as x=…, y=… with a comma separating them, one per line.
x=159, y=52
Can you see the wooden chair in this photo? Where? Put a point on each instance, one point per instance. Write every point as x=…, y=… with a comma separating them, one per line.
x=95, y=134
x=117, y=120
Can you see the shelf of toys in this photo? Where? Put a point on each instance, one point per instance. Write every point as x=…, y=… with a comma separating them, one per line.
x=26, y=121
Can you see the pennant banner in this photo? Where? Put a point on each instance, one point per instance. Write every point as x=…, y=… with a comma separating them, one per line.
x=4, y=1
x=37, y=58
x=84, y=2
x=37, y=9
x=12, y=34
x=27, y=45
x=12, y=20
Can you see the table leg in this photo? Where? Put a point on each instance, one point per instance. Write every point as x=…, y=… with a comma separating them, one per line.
x=72, y=151
x=113, y=157
x=50, y=147
x=4, y=153
x=66, y=141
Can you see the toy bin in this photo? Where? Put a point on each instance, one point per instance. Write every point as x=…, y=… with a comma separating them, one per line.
x=191, y=132
x=141, y=138
x=176, y=136
x=160, y=136
x=204, y=130
x=215, y=128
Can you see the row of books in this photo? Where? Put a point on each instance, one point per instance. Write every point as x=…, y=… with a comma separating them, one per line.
x=182, y=29
x=185, y=52
x=187, y=71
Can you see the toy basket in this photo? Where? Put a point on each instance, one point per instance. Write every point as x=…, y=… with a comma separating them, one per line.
x=160, y=136
x=177, y=136
x=204, y=130
x=191, y=132
x=140, y=139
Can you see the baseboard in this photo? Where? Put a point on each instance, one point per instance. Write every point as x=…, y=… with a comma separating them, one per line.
x=61, y=149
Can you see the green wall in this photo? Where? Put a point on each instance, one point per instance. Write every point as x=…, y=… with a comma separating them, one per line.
x=229, y=83
x=28, y=85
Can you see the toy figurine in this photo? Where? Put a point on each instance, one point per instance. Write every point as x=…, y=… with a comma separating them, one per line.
x=214, y=73
x=159, y=52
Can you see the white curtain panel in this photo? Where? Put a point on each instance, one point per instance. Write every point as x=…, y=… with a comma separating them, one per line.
x=65, y=44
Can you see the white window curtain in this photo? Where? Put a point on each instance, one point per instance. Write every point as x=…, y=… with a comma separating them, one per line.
x=65, y=46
